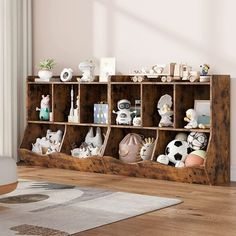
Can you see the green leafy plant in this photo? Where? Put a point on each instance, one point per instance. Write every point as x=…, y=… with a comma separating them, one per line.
x=47, y=64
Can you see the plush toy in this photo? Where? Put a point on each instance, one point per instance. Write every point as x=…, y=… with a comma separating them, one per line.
x=41, y=146
x=54, y=137
x=96, y=140
x=163, y=159
x=50, y=143
x=197, y=140
x=44, y=109
x=164, y=108
x=81, y=152
x=195, y=158
x=191, y=118
x=124, y=113
x=179, y=164
x=85, y=151
x=147, y=148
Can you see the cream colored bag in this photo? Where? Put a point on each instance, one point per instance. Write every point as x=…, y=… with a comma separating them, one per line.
x=129, y=148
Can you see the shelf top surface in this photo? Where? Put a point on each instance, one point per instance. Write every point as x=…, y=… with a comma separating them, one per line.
x=116, y=79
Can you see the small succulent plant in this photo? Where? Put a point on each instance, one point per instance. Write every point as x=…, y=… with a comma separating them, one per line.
x=47, y=64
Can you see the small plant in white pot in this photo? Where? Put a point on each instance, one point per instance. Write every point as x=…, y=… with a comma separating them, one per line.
x=45, y=69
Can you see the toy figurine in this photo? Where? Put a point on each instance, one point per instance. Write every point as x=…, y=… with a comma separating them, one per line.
x=87, y=67
x=164, y=108
x=74, y=112
x=137, y=121
x=124, y=113
x=147, y=148
x=44, y=109
x=204, y=77
x=205, y=69
x=191, y=118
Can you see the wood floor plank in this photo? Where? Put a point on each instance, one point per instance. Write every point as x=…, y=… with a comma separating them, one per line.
x=206, y=210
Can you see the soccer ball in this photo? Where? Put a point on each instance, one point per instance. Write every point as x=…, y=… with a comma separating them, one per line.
x=177, y=150
x=197, y=140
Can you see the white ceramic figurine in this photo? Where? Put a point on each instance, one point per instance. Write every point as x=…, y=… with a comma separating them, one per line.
x=87, y=68
x=164, y=108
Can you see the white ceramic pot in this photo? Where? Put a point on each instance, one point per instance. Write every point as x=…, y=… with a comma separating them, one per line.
x=45, y=74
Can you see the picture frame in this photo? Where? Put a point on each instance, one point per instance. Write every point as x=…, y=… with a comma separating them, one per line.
x=203, y=109
x=107, y=68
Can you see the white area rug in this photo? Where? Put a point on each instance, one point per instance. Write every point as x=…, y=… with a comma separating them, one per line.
x=40, y=208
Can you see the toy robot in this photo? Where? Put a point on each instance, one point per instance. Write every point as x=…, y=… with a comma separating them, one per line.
x=124, y=113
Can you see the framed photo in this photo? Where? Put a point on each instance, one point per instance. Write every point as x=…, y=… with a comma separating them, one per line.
x=203, y=109
x=107, y=68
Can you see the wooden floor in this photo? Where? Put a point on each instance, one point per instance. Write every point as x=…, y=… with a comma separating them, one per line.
x=206, y=210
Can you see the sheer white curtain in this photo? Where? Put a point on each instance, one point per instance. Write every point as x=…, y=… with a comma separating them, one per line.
x=15, y=65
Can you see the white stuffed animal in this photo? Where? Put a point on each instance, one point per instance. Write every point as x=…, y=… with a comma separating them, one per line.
x=96, y=140
x=81, y=152
x=163, y=159
x=54, y=137
x=191, y=118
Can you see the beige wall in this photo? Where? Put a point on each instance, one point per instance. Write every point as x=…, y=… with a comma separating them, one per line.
x=139, y=33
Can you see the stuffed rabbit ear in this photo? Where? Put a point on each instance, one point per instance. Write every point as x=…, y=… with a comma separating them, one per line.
x=42, y=96
x=89, y=136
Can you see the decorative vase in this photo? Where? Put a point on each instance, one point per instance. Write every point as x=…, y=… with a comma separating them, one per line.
x=45, y=74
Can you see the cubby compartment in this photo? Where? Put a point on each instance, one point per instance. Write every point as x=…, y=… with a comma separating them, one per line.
x=151, y=93
x=131, y=92
x=117, y=134
x=34, y=131
x=91, y=94
x=35, y=92
x=75, y=136
x=62, y=93
x=185, y=96
x=166, y=136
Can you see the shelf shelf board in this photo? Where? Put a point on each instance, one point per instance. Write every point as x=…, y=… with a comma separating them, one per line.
x=40, y=122
x=66, y=123
x=73, y=82
x=128, y=127
x=87, y=124
x=119, y=126
x=184, y=130
x=163, y=83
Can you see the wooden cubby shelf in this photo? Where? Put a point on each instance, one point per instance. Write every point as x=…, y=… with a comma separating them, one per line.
x=216, y=169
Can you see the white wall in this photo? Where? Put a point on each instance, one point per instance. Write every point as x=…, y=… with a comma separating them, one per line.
x=139, y=33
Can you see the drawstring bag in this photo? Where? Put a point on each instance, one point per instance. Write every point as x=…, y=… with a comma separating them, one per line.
x=129, y=148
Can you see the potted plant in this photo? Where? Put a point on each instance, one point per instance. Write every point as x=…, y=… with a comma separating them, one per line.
x=45, y=68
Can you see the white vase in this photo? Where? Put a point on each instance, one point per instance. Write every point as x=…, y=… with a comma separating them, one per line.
x=45, y=74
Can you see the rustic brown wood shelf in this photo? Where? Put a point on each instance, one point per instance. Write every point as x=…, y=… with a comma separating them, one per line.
x=215, y=170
